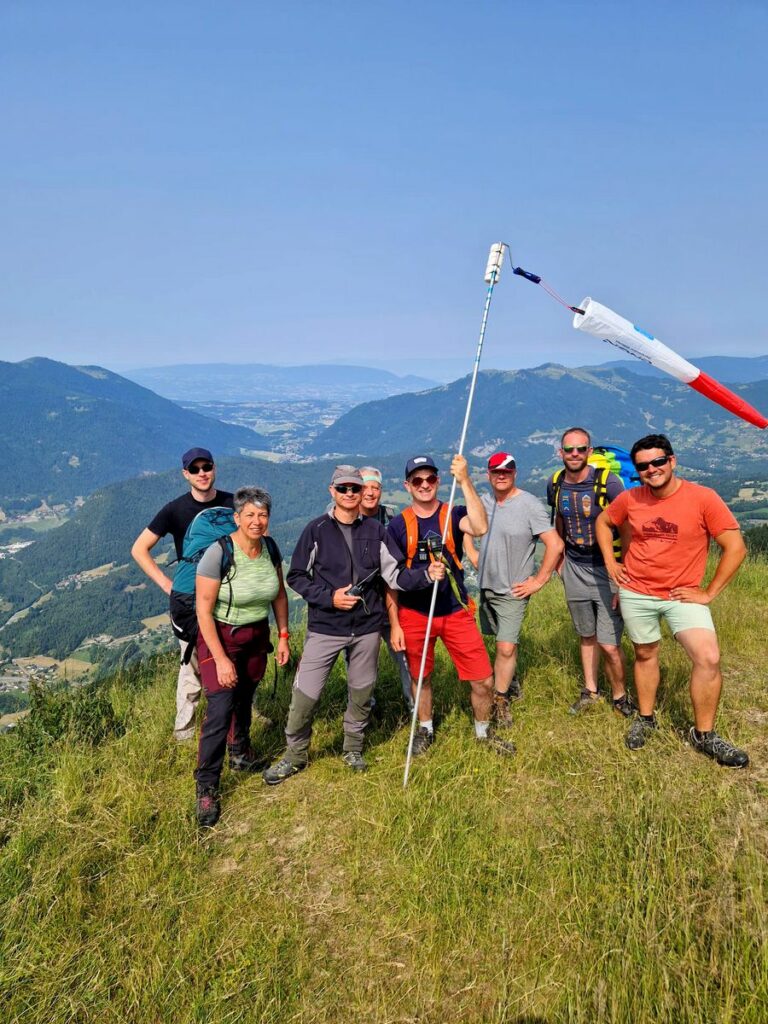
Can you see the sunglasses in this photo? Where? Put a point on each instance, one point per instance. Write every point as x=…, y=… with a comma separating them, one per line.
x=661, y=461
x=200, y=467
x=569, y=449
x=419, y=481
x=347, y=488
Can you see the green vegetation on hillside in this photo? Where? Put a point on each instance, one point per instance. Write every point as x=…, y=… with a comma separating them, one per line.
x=576, y=883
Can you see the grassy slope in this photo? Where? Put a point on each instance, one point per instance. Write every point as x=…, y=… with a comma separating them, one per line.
x=578, y=882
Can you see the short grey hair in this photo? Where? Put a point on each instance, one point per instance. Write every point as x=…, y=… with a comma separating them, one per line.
x=252, y=496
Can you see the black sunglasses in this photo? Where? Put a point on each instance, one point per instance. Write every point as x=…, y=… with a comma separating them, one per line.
x=419, y=481
x=200, y=467
x=569, y=449
x=661, y=461
x=347, y=488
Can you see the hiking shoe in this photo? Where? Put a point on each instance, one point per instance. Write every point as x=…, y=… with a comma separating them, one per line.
x=718, y=749
x=422, y=741
x=515, y=691
x=638, y=732
x=280, y=771
x=625, y=706
x=354, y=759
x=587, y=699
x=495, y=743
x=208, y=807
x=502, y=716
x=245, y=761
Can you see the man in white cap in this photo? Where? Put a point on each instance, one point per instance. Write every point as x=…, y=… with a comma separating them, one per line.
x=506, y=571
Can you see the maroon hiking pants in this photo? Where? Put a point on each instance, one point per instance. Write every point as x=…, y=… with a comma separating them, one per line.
x=228, y=713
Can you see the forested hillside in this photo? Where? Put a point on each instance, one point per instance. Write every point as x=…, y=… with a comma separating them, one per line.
x=66, y=430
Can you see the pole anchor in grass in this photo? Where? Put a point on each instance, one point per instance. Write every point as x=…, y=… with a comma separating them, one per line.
x=492, y=274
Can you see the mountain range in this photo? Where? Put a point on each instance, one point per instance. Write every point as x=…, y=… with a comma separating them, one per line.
x=67, y=430
x=259, y=382
x=525, y=411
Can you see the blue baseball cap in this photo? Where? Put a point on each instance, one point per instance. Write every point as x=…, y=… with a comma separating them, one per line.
x=195, y=453
x=419, y=462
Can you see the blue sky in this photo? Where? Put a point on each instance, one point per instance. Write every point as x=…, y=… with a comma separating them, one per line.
x=192, y=182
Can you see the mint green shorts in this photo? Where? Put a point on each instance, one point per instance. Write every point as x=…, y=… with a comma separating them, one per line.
x=643, y=614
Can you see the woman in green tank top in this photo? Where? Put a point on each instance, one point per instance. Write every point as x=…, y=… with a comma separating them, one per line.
x=233, y=641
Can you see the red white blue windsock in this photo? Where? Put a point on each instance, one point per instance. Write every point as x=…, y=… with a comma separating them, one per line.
x=603, y=323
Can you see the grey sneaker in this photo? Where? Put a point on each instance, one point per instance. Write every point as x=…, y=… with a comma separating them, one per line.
x=495, y=743
x=422, y=741
x=718, y=749
x=207, y=807
x=515, y=691
x=586, y=700
x=354, y=759
x=502, y=716
x=638, y=732
x=625, y=706
x=280, y=771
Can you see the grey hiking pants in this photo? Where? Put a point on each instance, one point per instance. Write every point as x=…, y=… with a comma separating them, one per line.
x=317, y=660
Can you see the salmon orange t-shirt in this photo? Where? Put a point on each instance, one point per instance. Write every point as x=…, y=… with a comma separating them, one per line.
x=670, y=536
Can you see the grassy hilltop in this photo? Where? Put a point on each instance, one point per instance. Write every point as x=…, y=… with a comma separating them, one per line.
x=575, y=883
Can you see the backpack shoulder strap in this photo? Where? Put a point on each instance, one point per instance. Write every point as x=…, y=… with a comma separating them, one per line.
x=272, y=550
x=450, y=542
x=601, y=486
x=227, y=556
x=557, y=480
x=411, y=534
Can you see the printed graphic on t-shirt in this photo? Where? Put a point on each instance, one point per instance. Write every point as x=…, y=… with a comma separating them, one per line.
x=660, y=529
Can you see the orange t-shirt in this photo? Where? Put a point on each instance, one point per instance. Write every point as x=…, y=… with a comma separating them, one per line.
x=670, y=536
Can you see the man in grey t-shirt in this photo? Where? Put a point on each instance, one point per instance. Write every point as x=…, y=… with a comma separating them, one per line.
x=505, y=569
x=592, y=602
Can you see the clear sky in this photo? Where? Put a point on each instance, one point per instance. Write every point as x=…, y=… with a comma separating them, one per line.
x=264, y=182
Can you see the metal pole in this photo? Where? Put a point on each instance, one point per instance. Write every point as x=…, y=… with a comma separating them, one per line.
x=492, y=272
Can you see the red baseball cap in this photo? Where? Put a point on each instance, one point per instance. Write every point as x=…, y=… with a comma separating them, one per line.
x=502, y=460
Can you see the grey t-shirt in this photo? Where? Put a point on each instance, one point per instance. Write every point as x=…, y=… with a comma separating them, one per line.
x=506, y=551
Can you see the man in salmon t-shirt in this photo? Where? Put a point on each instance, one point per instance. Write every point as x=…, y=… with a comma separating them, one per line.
x=669, y=523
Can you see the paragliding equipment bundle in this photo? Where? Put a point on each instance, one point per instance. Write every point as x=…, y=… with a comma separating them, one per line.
x=492, y=272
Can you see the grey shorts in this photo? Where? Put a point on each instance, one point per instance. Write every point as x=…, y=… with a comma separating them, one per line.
x=501, y=615
x=590, y=597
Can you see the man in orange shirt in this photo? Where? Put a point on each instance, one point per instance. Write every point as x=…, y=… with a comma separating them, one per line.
x=669, y=523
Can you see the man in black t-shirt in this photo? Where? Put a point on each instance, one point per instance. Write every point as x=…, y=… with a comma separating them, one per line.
x=199, y=470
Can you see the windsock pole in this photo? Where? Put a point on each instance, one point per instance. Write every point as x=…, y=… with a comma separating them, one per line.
x=492, y=273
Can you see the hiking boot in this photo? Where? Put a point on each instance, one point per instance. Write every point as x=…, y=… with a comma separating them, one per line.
x=587, y=699
x=208, y=806
x=495, y=743
x=354, y=759
x=625, y=706
x=502, y=716
x=515, y=691
x=422, y=741
x=718, y=749
x=280, y=771
x=639, y=731
x=245, y=761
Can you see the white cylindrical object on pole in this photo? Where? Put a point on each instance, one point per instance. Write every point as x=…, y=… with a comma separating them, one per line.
x=495, y=260
x=603, y=323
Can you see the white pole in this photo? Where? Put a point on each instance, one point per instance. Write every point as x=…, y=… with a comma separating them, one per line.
x=492, y=272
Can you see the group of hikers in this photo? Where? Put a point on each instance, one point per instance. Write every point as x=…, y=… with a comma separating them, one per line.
x=627, y=558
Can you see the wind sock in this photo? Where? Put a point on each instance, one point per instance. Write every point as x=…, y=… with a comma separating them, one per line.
x=603, y=323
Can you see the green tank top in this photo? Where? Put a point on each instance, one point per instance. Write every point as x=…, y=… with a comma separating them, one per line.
x=255, y=586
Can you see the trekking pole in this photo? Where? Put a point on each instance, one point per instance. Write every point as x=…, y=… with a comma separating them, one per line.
x=492, y=273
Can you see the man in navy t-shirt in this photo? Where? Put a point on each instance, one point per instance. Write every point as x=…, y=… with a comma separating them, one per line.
x=199, y=471
x=417, y=533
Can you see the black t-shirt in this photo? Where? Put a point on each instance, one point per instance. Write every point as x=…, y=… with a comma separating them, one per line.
x=175, y=517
